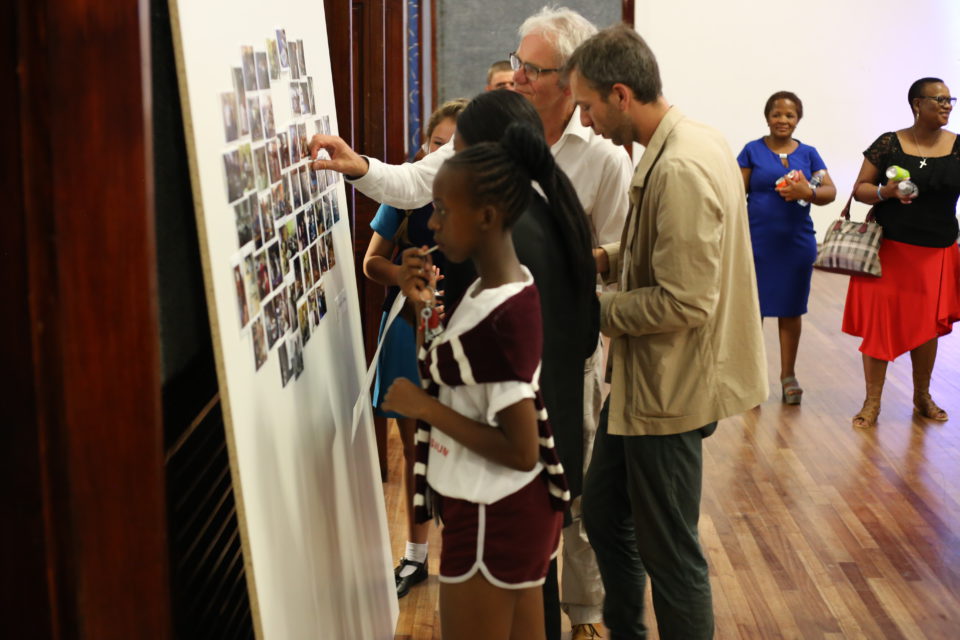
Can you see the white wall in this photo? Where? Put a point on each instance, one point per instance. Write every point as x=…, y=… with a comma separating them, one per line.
x=850, y=62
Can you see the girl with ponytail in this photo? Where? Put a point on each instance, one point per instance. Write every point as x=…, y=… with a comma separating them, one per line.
x=489, y=466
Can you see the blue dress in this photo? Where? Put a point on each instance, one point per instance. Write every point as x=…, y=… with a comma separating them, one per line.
x=398, y=356
x=784, y=241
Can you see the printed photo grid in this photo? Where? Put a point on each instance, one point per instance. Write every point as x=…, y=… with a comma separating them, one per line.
x=284, y=212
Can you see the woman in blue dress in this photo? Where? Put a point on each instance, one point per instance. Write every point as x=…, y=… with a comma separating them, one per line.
x=393, y=231
x=784, y=242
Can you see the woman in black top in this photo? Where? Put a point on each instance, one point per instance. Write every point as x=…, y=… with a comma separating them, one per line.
x=917, y=299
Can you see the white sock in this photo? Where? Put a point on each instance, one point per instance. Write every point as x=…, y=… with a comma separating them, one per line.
x=416, y=553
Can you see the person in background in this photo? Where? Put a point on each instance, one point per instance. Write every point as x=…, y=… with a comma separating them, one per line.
x=686, y=346
x=500, y=76
x=917, y=298
x=781, y=230
x=393, y=231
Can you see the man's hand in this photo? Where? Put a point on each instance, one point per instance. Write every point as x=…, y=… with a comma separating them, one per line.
x=602, y=259
x=342, y=159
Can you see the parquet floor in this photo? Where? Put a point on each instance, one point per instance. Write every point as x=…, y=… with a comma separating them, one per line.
x=813, y=529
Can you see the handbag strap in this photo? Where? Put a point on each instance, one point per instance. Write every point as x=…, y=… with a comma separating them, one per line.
x=845, y=213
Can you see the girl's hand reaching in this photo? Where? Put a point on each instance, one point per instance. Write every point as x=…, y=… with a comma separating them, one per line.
x=406, y=398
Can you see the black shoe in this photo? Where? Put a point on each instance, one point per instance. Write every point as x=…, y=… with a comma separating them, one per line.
x=418, y=576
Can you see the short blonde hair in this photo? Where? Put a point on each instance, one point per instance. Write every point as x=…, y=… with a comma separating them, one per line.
x=449, y=109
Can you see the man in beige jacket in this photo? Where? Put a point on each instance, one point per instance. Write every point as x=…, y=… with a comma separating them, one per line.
x=686, y=348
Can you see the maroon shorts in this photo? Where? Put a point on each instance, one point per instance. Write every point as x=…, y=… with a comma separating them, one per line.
x=510, y=541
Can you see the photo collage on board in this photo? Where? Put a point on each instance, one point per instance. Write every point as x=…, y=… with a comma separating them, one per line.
x=284, y=212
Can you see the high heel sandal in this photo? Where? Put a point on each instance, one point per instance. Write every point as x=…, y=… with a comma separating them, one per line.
x=791, y=391
x=924, y=405
x=868, y=413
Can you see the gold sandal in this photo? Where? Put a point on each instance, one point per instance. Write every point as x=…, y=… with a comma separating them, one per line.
x=924, y=405
x=791, y=391
x=868, y=413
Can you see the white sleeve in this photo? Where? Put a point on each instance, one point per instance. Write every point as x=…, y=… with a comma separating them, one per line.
x=613, y=198
x=404, y=186
x=500, y=395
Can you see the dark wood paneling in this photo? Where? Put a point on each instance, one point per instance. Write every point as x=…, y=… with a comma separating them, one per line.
x=85, y=313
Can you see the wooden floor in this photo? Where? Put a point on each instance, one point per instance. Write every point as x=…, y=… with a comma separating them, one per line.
x=812, y=529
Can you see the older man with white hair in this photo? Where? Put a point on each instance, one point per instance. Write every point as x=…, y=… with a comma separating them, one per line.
x=600, y=173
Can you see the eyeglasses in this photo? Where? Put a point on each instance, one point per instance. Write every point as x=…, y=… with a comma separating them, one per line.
x=943, y=100
x=532, y=71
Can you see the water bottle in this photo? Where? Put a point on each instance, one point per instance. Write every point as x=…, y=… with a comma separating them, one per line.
x=905, y=188
x=815, y=181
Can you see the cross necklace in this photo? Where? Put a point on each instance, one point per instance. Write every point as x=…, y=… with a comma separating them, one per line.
x=923, y=159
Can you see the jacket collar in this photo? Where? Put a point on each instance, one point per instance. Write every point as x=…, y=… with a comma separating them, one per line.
x=670, y=120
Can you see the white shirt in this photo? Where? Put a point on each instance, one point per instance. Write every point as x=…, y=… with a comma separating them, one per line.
x=454, y=470
x=599, y=171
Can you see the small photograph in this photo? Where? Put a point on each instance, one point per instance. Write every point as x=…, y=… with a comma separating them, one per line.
x=260, y=165
x=255, y=217
x=291, y=311
x=322, y=252
x=335, y=205
x=263, y=70
x=285, y=371
x=297, y=279
x=284, y=149
x=272, y=322
x=314, y=183
x=242, y=309
x=302, y=236
x=250, y=281
x=304, y=141
x=290, y=244
x=283, y=56
x=304, y=102
x=295, y=190
x=328, y=201
x=266, y=108
x=233, y=174
x=314, y=309
x=249, y=68
x=263, y=273
x=317, y=270
x=284, y=244
x=325, y=121
x=311, y=97
x=273, y=162
x=276, y=268
x=304, y=183
x=273, y=58
x=266, y=217
x=287, y=194
x=228, y=104
x=325, y=215
x=331, y=258
x=241, y=93
x=307, y=271
x=246, y=166
x=241, y=215
x=301, y=58
x=295, y=153
x=322, y=301
x=280, y=204
x=295, y=98
x=303, y=319
x=256, y=122
x=318, y=212
x=294, y=60
x=312, y=232
x=295, y=349
x=283, y=310
x=259, y=344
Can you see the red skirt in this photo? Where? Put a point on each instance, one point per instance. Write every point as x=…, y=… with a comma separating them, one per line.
x=510, y=541
x=915, y=300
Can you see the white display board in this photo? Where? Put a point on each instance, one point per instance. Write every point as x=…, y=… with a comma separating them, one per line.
x=850, y=62
x=255, y=84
